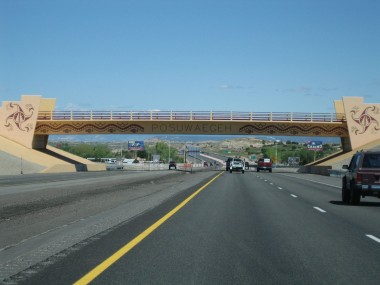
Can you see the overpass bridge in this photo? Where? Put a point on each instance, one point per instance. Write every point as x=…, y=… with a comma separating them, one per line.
x=29, y=122
x=189, y=122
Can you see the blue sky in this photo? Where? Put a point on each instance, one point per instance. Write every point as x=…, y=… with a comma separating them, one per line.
x=200, y=55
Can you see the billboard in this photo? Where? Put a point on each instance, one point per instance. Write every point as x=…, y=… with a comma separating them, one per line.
x=294, y=161
x=135, y=145
x=315, y=145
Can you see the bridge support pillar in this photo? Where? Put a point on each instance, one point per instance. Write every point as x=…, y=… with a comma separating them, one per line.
x=363, y=122
x=346, y=144
x=40, y=141
x=18, y=120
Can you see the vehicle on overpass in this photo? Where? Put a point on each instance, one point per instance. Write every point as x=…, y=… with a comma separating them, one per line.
x=362, y=178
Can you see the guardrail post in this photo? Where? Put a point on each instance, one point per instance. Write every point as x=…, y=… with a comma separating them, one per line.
x=111, y=115
x=71, y=115
x=211, y=116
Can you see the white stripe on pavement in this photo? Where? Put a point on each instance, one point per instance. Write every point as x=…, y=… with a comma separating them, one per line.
x=320, y=210
x=374, y=238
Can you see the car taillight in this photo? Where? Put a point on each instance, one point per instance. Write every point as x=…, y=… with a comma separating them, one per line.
x=359, y=178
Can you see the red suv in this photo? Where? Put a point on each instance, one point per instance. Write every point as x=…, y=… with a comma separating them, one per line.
x=362, y=178
x=264, y=164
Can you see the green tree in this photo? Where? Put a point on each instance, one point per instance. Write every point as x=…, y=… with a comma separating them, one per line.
x=85, y=150
x=162, y=149
x=101, y=150
x=265, y=152
x=306, y=156
x=142, y=154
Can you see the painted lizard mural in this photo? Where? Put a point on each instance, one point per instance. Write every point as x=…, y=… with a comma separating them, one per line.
x=365, y=119
x=19, y=117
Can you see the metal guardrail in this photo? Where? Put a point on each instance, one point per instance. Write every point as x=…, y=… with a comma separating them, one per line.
x=188, y=116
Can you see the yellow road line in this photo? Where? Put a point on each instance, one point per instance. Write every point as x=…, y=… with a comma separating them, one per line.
x=90, y=276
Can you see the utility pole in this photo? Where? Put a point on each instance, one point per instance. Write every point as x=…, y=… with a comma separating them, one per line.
x=169, y=150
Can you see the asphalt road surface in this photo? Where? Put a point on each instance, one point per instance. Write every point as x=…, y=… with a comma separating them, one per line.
x=251, y=228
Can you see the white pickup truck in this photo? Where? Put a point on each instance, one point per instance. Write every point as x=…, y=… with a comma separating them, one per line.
x=237, y=164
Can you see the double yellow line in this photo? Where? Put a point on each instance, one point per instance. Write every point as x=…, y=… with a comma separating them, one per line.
x=90, y=276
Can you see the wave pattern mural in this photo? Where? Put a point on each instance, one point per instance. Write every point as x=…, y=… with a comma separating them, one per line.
x=88, y=128
x=295, y=130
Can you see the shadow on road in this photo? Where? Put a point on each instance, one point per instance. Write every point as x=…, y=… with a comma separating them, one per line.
x=367, y=204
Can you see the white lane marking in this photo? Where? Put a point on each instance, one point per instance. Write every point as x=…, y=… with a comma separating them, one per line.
x=271, y=183
x=374, y=238
x=265, y=180
x=320, y=210
x=313, y=181
x=294, y=196
x=279, y=188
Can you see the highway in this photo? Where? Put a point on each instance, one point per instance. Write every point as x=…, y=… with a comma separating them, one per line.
x=209, y=228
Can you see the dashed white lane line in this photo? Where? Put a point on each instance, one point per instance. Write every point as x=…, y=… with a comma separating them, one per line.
x=294, y=196
x=279, y=188
x=374, y=238
x=271, y=183
x=312, y=181
x=319, y=209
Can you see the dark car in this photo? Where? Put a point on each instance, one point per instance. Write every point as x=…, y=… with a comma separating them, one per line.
x=172, y=164
x=362, y=178
x=228, y=162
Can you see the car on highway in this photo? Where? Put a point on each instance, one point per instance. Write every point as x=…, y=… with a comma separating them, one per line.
x=172, y=164
x=237, y=164
x=264, y=164
x=362, y=177
x=228, y=162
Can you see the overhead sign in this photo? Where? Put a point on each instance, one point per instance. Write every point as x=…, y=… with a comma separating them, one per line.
x=135, y=145
x=315, y=145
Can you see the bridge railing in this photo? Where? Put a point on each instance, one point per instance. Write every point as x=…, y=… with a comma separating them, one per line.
x=189, y=116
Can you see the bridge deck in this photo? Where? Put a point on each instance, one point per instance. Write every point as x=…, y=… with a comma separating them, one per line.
x=189, y=116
